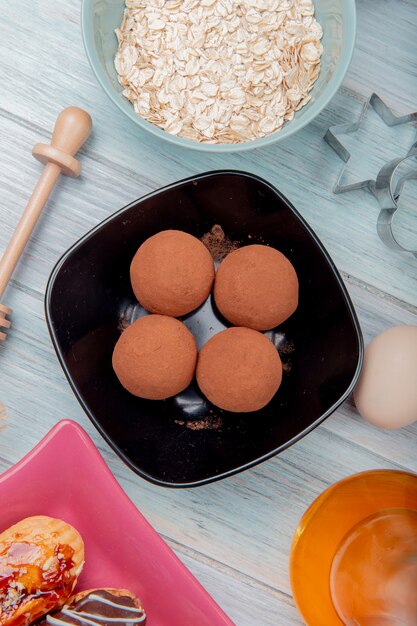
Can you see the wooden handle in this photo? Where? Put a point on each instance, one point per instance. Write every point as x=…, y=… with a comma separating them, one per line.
x=72, y=128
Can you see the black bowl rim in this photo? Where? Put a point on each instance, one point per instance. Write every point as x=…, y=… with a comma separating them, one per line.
x=275, y=451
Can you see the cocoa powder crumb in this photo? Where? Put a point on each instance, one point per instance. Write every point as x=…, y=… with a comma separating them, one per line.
x=207, y=423
x=218, y=244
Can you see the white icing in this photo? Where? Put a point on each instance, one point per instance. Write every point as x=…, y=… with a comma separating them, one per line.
x=93, y=620
x=97, y=598
x=102, y=618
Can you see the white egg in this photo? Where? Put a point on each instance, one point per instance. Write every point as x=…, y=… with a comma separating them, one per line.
x=386, y=394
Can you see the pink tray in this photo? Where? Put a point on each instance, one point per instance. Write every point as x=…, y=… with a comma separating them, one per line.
x=65, y=476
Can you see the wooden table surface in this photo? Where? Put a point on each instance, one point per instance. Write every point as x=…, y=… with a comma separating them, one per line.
x=241, y=559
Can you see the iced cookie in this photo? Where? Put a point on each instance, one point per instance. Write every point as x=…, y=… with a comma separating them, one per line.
x=104, y=607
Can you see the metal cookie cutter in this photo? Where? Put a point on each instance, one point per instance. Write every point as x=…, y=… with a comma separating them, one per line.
x=388, y=192
x=330, y=137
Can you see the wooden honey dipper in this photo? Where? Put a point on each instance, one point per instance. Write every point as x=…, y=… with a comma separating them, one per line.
x=72, y=128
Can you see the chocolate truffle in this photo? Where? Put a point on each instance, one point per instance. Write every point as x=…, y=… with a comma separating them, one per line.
x=172, y=273
x=155, y=357
x=239, y=370
x=256, y=286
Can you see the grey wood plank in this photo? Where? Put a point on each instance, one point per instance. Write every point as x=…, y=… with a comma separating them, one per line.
x=303, y=167
x=242, y=561
x=246, y=603
x=385, y=53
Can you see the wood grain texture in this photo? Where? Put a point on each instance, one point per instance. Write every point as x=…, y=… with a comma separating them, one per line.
x=241, y=559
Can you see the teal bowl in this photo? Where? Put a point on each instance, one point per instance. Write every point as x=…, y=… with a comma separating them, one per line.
x=100, y=18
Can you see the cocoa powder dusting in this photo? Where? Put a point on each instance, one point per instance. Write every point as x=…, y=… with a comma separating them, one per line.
x=217, y=243
x=208, y=423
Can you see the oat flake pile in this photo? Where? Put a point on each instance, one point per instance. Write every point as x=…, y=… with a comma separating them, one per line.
x=218, y=71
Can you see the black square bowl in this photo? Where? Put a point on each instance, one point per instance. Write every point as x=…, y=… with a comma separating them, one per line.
x=186, y=441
